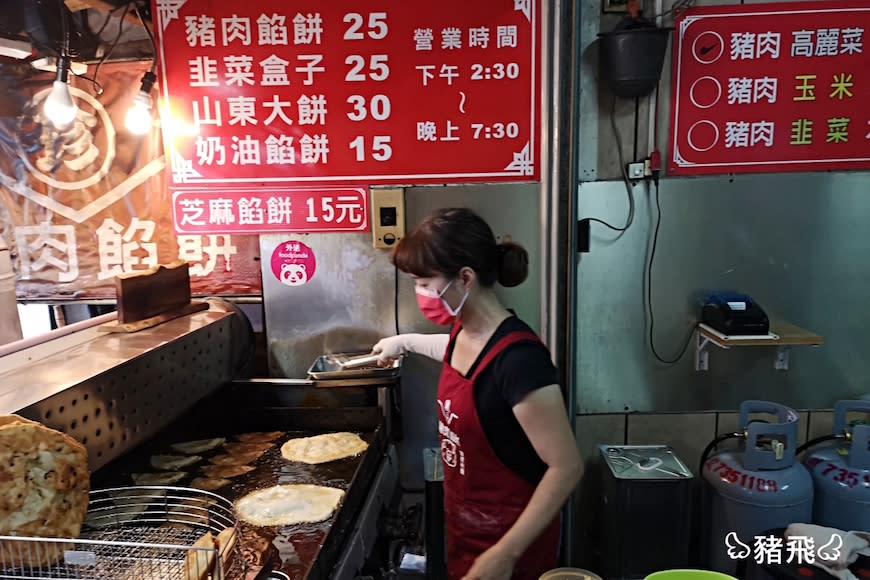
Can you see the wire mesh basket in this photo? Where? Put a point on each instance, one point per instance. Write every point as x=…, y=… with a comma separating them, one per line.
x=142, y=533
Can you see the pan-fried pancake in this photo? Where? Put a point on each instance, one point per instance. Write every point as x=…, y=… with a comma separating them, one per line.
x=44, y=488
x=225, y=471
x=259, y=437
x=286, y=505
x=261, y=447
x=199, y=562
x=225, y=542
x=323, y=448
x=198, y=446
x=193, y=510
x=162, y=478
x=209, y=483
x=235, y=458
x=173, y=462
x=122, y=506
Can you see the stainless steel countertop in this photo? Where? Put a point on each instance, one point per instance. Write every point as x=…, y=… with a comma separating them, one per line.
x=36, y=373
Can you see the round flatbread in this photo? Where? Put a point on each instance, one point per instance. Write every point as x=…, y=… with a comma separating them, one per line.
x=44, y=488
x=287, y=505
x=323, y=448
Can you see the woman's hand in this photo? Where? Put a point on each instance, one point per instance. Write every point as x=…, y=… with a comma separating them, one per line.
x=389, y=349
x=494, y=564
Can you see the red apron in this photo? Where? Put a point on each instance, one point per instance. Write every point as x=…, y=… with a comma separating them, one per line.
x=482, y=497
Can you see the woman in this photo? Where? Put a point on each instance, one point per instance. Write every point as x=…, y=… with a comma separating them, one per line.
x=510, y=458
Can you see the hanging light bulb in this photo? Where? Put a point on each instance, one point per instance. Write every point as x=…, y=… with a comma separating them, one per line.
x=59, y=106
x=138, y=119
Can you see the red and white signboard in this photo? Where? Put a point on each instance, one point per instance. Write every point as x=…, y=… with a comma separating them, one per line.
x=771, y=87
x=272, y=93
x=335, y=209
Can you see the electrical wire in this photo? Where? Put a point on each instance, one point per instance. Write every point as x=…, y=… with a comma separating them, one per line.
x=64, y=30
x=649, y=285
x=628, y=189
x=150, y=37
x=676, y=9
x=97, y=87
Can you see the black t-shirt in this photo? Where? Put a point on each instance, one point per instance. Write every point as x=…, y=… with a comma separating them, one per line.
x=518, y=370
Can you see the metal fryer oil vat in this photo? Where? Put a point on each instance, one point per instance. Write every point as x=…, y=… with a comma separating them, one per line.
x=646, y=502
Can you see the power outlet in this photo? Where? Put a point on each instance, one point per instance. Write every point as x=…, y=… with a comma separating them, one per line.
x=635, y=170
x=388, y=217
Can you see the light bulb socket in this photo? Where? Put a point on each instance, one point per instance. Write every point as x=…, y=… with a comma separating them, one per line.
x=148, y=80
x=63, y=66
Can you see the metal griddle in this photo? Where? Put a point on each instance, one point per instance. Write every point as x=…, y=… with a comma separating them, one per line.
x=302, y=551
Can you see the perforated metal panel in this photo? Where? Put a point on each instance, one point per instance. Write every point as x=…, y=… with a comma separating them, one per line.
x=122, y=407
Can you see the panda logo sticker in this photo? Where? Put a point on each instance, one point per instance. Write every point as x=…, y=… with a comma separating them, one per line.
x=293, y=263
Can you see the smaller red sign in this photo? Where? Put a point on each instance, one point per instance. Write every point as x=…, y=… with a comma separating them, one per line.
x=293, y=263
x=242, y=211
x=771, y=87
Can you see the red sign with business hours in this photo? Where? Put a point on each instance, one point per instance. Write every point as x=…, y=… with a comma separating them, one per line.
x=774, y=87
x=237, y=211
x=273, y=92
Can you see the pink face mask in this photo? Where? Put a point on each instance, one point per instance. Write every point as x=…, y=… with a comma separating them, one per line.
x=435, y=308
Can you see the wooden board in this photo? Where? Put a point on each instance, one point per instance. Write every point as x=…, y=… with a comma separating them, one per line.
x=145, y=294
x=788, y=335
x=116, y=326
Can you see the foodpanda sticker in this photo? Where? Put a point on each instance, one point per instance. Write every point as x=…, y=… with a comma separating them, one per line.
x=293, y=263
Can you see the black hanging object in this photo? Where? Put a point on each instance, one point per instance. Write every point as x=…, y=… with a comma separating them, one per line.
x=631, y=56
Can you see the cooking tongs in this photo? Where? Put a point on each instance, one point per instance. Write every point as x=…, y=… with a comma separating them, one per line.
x=338, y=367
x=356, y=362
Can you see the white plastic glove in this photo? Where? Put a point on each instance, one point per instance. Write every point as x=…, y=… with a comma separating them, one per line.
x=432, y=345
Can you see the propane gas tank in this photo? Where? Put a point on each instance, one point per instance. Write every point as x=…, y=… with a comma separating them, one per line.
x=755, y=488
x=841, y=474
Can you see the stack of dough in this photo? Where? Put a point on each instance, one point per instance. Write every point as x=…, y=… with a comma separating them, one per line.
x=44, y=489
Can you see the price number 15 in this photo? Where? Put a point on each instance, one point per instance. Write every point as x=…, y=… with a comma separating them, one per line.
x=380, y=148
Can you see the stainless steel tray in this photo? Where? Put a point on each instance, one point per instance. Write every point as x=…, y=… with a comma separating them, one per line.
x=328, y=367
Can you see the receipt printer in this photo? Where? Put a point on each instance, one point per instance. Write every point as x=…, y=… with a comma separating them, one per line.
x=734, y=314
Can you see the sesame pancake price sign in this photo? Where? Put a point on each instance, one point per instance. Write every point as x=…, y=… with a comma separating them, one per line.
x=771, y=87
x=332, y=209
x=272, y=93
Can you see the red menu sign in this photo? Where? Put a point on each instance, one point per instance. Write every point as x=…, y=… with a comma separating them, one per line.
x=334, y=209
x=775, y=87
x=273, y=93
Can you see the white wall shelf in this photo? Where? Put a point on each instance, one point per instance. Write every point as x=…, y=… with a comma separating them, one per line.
x=782, y=337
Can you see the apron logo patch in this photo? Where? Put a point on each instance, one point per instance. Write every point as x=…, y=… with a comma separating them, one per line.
x=450, y=447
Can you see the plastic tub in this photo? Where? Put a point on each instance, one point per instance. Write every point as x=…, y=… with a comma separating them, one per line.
x=569, y=574
x=688, y=575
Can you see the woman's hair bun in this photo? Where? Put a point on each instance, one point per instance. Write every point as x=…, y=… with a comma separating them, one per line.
x=513, y=264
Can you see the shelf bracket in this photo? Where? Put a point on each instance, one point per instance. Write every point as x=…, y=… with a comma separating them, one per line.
x=781, y=361
x=702, y=354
